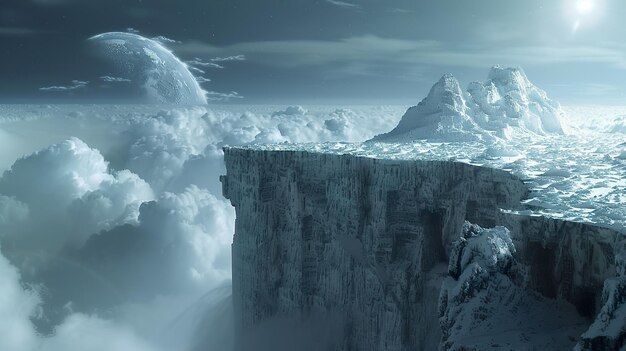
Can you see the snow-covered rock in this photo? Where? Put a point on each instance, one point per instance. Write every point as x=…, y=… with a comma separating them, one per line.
x=608, y=331
x=483, y=305
x=503, y=105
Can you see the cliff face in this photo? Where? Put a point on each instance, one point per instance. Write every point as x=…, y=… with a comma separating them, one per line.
x=347, y=253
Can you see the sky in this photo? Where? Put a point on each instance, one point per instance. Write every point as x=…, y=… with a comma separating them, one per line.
x=321, y=51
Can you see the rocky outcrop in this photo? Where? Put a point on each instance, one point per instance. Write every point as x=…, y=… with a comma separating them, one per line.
x=338, y=252
x=484, y=305
x=608, y=331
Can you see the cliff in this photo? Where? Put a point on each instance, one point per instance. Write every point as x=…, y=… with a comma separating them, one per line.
x=338, y=252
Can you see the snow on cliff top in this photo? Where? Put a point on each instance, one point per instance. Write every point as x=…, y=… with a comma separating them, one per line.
x=506, y=103
x=579, y=177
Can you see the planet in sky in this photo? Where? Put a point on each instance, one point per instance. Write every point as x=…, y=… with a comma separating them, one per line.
x=152, y=68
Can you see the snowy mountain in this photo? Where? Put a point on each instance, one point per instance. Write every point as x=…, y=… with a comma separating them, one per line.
x=505, y=104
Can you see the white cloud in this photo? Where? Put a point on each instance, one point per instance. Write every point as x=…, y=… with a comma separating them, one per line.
x=160, y=145
x=185, y=237
x=69, y=193
x=148, y=266
x=229, y=58
x=201, y=63
x=81, y=332
x=217, y=96
x=16, y=307
x=165, y=40
x=76, y=84
x=196, y=70
x=77, y=333
x=201, y=79
x=111, y=79
x=344, y=4
x=370, y=55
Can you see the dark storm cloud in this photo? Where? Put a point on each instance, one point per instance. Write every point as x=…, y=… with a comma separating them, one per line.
x=302, y=49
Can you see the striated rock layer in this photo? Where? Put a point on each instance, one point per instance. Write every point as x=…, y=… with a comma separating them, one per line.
x=337, y=252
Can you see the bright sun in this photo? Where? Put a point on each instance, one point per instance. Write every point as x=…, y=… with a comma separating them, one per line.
x=584, y=6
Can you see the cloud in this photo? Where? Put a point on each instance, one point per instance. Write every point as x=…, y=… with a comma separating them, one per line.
x=146, y=241
x=344, y=4
x=229, y=58
x=76, y=84
x=217, y=96
x=110, y=79
x=16, y=307
x=77, y=333
x=185, y=237
x=201, y=79
x=18, y=31
x=160, y=145
x=372, y=55
x=201, y=63
x=82, y=332
x=401, y=10
x=165, y=40
x=196, y=70
x=63, y=194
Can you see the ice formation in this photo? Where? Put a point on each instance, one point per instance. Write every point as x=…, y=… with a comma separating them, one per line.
x=505, y=104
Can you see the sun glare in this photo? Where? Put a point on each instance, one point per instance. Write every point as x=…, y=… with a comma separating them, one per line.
x=584, y=6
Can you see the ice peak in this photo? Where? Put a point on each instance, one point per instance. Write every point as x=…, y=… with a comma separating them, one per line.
x=506, y=102
x=510, y=79
x=449, y=82
x=446, y=92
x=498, y=72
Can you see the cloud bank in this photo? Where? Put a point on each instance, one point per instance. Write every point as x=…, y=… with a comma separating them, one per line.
x=128, y=248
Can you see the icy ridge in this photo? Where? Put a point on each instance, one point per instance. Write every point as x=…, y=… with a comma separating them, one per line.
x=504, y=105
